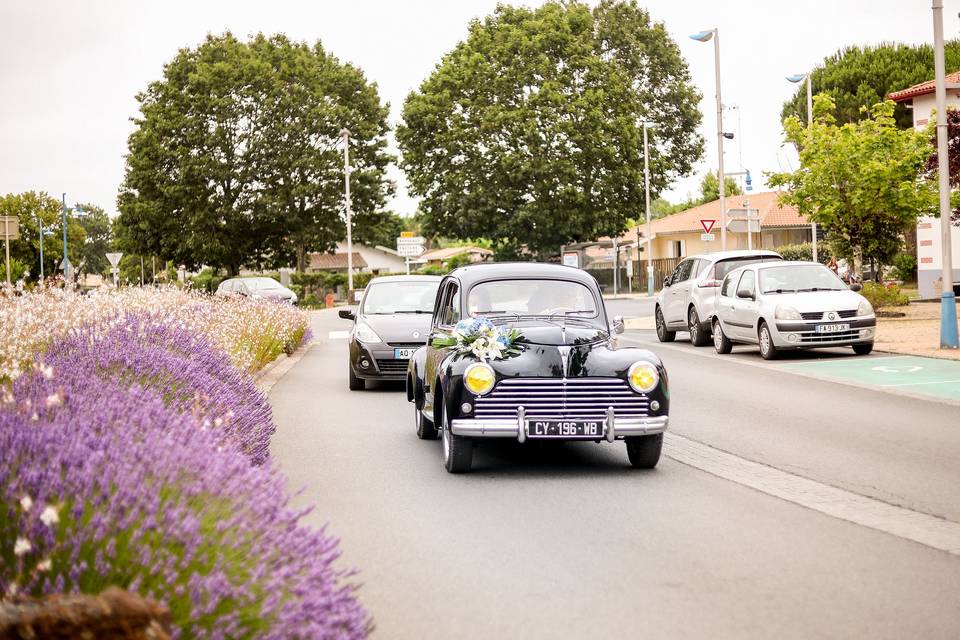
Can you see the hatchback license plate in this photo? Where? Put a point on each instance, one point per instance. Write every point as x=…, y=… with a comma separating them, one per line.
x=565, y=428
x=403, y=353
x=832, y=328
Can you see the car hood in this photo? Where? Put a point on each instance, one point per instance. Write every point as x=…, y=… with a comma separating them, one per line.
x=400, y=327
x=272, y=294
x=809, y=301
x=554, y=335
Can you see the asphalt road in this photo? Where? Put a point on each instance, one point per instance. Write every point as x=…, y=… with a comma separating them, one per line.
x=567, y=541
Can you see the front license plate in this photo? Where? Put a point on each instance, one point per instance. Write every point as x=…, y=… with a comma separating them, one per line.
x=403, y=353
x=832, y=328
x=565, y=428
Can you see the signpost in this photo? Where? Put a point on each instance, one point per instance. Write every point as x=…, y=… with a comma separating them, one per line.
x=11, y=231
x=571, y=259
x=114, y=259
x=744, y=221
x=409, y=246
x=707, y=224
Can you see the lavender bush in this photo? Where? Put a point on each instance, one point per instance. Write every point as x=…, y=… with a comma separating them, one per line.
x=192, y=376
x=105, y=483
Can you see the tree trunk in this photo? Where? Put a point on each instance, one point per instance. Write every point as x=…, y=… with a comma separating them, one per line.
x=301, y=252
x=858, y=261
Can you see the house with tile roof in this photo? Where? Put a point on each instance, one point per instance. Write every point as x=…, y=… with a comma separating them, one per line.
x=679, y=235
x=921, y=98
x=439, y=257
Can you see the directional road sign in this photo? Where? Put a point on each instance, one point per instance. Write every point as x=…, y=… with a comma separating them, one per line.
x=9, y=227
x=410, y=246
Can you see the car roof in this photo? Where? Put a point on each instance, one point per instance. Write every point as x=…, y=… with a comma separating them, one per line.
x=767, y=265
x=738, y=253
x=410, y=278
x=473, y=273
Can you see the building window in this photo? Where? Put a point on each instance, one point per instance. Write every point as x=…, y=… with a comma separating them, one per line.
x=678, y=248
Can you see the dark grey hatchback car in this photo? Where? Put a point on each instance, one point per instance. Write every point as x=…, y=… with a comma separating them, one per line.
x=392, y=321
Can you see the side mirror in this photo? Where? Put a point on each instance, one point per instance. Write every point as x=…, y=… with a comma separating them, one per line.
x=856, y=286
x=745, y=293
x=347, y=314
x=666, y=282
x=618, y=325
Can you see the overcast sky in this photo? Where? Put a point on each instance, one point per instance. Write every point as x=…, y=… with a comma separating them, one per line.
x=70, y=69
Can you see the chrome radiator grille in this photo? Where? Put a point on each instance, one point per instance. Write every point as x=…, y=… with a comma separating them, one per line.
x=572, y=398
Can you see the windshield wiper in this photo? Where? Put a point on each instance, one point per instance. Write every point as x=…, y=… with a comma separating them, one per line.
x=412, y=311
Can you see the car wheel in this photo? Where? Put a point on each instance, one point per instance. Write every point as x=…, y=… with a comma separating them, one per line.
x=767, y=348
x=863, y=349
x=426, y=430
x=698, y=337
x=356, y=384
x=644, y=451
x=720, y=340
x=457, y=450
x=663, y=334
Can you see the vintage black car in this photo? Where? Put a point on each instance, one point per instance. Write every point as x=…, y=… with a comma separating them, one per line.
x=560, y=377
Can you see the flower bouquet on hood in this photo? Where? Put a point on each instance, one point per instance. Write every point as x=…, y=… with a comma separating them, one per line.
x=481, y=338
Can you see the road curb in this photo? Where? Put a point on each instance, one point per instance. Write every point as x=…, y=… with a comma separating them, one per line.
x=270, y=375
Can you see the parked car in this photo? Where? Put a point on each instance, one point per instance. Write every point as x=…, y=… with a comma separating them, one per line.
x=259, y=288
x=391, y=322
x=791, y=305
x=687, y=301
x=559, y=376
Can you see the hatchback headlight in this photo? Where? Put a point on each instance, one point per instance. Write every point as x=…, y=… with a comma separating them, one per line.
x=865, y=308
x=479, y=378
x=365, y=333
x=785, y=312
x=643, y=377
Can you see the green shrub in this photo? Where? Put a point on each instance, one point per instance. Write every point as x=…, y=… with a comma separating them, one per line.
x=881, y=295
x=207, y=280
x=17, y=270
x=433, y=270
x=905, y=267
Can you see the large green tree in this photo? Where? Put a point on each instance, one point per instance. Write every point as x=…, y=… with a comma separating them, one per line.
x=32, y=210
x=859, y=180
x=528, y=132
x=856, y=78
x=236, y=158
x=98, y=239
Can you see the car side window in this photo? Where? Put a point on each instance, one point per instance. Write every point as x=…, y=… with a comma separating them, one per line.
x=685, y=267
x=748, y=283
x=727, y=289
x=450, y=311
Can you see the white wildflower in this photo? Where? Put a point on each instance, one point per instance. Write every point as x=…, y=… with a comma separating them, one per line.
x=54, y=400
x=21, y=547
x=45, y=565
x=50, y=516
x=26, y=502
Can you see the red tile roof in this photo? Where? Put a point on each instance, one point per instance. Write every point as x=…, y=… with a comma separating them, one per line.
x=772, y=215
x=324, y=261
x=923, y=88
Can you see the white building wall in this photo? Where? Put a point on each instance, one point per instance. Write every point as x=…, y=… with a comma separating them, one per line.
x=377, y=260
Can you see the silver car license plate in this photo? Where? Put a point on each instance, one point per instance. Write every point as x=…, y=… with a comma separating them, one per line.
x=832, y=328
x=565, y=428
x=403, y=353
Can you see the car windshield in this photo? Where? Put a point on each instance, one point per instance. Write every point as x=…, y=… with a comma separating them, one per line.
x=400, y=297
x=532, y=298
x=261, y=284
x=799, y=277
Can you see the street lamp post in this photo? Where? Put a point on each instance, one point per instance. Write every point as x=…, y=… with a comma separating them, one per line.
x=704, y=36
x=646, y=186
x=345, y=134
x=798, y=78
x=67, y=268
x=948, y=306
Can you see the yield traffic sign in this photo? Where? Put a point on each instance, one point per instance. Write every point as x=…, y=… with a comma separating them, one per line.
x=707, y=225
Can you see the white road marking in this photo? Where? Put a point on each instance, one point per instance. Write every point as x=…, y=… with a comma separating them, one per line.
x=339, y=335
x=886, y=369
x=839, y=503
x=913, y=384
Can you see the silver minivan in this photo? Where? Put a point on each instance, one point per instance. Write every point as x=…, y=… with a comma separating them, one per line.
x=687, y=301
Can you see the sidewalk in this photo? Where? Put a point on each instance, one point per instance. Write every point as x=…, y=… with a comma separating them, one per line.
x=916, y=334
x=627, y=296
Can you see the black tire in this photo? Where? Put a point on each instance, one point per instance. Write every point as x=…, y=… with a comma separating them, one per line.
x=644, y=451
x=767, y=349
x=720, y=340
x=663, y=334
x=698, y=337
x=426, y=430
x=863, y=349
x=356, y=384
x=457, y=450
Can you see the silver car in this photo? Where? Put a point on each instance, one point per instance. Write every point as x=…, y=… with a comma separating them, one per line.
x=687, y=300
x=791, y=305
x=259, y=288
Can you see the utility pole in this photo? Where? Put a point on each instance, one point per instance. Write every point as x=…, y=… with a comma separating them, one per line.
x=813, y=225
x=66, y=257
x=646, y=186
x=345, y=134
x=948, y=305
x=704, y=36
x=6, y=242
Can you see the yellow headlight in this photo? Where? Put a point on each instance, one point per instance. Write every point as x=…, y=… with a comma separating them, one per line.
x=643, y=377
x=479, y=378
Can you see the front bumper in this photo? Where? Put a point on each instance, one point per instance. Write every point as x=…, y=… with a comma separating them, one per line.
x=613, y=427
x=380, y=361
x=803, y=335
